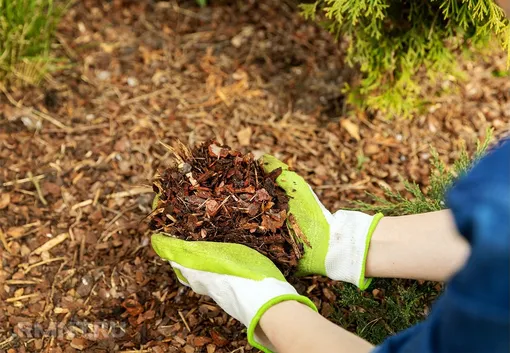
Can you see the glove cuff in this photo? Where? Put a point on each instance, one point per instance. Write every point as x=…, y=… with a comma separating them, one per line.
x=266, y=346
x=350, y=236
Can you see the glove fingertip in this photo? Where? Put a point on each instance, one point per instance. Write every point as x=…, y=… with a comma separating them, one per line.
x=162, y=245
x=270, y=163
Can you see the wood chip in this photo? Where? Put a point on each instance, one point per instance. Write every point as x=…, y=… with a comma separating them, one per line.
x=244, y=136
x=351, y=128
x=51, y=244
x=5, y=200
x=297, y=230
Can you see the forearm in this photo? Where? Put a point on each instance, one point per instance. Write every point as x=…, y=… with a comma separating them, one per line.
x=423, y=246
x=293, y=327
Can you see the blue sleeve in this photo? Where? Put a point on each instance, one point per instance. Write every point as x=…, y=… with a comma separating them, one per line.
x=473, y=313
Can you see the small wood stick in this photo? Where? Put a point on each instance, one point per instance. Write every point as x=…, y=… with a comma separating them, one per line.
x=184, y=320
x=297, y=230
x=37, y=188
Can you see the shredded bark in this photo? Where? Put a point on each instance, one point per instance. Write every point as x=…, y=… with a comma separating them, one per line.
x=214, y=193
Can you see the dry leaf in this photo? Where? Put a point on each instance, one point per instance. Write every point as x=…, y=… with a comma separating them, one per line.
x=5, y=199
x=244, y=136
x=351, y=128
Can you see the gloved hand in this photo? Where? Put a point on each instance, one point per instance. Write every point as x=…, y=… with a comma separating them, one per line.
x=338, y=242
x=240, y=280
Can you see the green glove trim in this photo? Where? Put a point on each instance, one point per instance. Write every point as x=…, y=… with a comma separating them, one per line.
x=179, y=275
x=363, y=282
x=308, y=214
x=255, y=321
x=221, y=258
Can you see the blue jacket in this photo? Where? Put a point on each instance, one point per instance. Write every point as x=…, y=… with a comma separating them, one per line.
x=473, y=313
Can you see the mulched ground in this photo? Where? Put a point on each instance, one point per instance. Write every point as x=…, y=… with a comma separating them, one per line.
x=78, y=154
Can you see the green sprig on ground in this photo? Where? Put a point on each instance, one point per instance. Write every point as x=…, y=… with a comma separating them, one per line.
x=27, y=28
x=392, y=41
x=395, y=203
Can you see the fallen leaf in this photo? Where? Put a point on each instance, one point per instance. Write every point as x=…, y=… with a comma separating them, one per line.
x=244, y=136
x=5, y=199
x=351, y=128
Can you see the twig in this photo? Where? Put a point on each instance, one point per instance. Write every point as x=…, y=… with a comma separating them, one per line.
x=21, y=282
x=82, y=204
x=184, y=320
x=37, y=188
x=50, y=244
x=22, y=297
x=72, y=54
x=7, y=342
x=44, y=262
x=188, y=13
x=25, y=180
x=132, y=192
x=144, y=96
x=82, y=250
x=50, y=119
x=340, y=187
x=34, y=112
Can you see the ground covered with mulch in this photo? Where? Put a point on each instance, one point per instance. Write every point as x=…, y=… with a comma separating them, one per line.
x=78, y=156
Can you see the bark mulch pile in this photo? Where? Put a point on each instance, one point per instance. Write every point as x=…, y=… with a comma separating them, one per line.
x=214, y=193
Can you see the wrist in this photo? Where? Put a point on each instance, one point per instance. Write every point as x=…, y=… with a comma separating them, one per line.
x=271, y=321
x=284, y=304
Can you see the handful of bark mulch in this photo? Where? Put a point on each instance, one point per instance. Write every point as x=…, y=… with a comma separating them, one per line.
x=214, y=193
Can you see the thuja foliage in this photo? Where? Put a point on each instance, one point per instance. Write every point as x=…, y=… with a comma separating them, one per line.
x=395, y=203
x=27, y=28
x=391, y=41
x=398, y=305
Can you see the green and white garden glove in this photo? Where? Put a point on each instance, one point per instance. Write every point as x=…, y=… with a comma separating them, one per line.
x=339, y=242
x=240, y=280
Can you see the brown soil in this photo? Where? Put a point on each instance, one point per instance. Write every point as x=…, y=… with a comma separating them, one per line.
x=214, y=193
x=78, y=154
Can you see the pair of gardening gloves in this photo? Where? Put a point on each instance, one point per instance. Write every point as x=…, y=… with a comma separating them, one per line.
x=246, y=284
